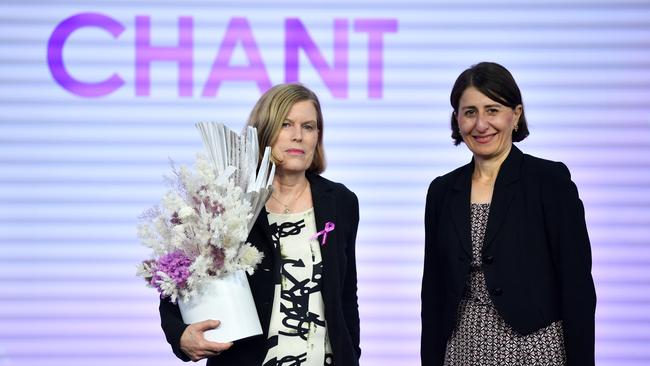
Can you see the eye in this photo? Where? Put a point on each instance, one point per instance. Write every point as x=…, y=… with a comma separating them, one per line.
x=493, y=111
x=309, y=126
x=469, y=113
x=286, y=124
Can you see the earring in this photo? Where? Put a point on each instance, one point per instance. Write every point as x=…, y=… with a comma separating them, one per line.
x=516, y=127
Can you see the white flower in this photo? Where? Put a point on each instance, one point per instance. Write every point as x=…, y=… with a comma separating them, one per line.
x=145, y=270
x=204, y=169
x=186, y=214
x=249, y=257
x=207, y=222
x=167, y=286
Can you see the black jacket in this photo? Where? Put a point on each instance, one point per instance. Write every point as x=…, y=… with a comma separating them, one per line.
x=536, y=255
x=332, y=202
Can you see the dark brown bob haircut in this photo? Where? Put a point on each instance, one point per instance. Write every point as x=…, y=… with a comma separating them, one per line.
x=496, y=82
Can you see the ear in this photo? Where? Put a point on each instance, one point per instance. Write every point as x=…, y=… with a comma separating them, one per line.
x=517, y=113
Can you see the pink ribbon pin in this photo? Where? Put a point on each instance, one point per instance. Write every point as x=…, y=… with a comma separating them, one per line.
x=329, y=226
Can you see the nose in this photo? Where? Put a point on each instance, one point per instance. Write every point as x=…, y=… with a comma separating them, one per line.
x=482, y=122
x=297, y=133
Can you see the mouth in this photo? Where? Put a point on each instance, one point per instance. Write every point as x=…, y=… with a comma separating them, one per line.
x=484, y=139
x=295, y=151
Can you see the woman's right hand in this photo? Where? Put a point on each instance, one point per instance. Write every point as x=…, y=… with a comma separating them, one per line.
x=195, y=346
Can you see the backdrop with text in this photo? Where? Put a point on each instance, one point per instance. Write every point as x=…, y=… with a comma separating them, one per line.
x=95, y=97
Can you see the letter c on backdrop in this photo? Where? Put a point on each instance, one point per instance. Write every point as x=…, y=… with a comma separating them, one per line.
x=55, y=54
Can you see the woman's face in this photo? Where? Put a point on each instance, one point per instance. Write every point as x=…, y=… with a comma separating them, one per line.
x=296, y=143
x=486, y=125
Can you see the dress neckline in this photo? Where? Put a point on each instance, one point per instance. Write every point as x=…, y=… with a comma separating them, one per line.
x=291, y=214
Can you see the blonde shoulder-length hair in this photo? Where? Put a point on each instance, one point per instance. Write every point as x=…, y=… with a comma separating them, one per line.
x=271, y=111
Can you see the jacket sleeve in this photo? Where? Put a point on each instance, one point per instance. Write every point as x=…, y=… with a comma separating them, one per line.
x=432, y=346
x=350, y=299
x=172, y=324
x=569, y=244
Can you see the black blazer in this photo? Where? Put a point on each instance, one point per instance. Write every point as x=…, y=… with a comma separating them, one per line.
x=536, y=255
x=332, y=202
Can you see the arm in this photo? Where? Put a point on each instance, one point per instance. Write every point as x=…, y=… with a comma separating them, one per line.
x=172, y=324
x=570, y=248
x=432, y=347
x=350, y=300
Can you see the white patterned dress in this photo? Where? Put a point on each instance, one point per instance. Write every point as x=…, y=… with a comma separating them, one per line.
x=481, y=336
x=298, y=331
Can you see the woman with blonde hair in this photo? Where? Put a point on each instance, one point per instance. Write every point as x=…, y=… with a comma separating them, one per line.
x=305, y=289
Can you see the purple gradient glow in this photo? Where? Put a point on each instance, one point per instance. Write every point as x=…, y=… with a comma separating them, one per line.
x=80, y=160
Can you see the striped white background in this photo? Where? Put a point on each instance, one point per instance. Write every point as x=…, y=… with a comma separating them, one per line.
x=76, y=172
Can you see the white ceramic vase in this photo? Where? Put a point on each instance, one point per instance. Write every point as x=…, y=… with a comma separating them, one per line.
x=229, y=300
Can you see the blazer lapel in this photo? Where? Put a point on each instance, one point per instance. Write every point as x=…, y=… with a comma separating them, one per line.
x=325, y=211
x=460, y=206
x=503, y=194
x=269, y=248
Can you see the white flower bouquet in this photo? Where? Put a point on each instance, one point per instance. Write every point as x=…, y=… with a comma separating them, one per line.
x=198, y=232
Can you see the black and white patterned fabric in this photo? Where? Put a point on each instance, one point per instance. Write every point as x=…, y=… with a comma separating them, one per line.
x=298, y=331
x=481, y=336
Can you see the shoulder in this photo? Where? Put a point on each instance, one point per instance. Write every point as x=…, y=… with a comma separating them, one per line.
x=451, y=176
x=443, y=183
x=546, y=170
x=338, y=189
x=552, y=177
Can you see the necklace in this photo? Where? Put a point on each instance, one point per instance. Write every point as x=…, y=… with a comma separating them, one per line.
x=287, y=205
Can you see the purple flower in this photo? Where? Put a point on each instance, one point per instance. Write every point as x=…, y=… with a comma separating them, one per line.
x=175, y=219
x=219, y=257
x=176, y=265
x=212, y=206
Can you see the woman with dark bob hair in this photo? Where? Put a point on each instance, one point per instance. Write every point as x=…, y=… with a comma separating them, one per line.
x=507, y=269
x=305, y=289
